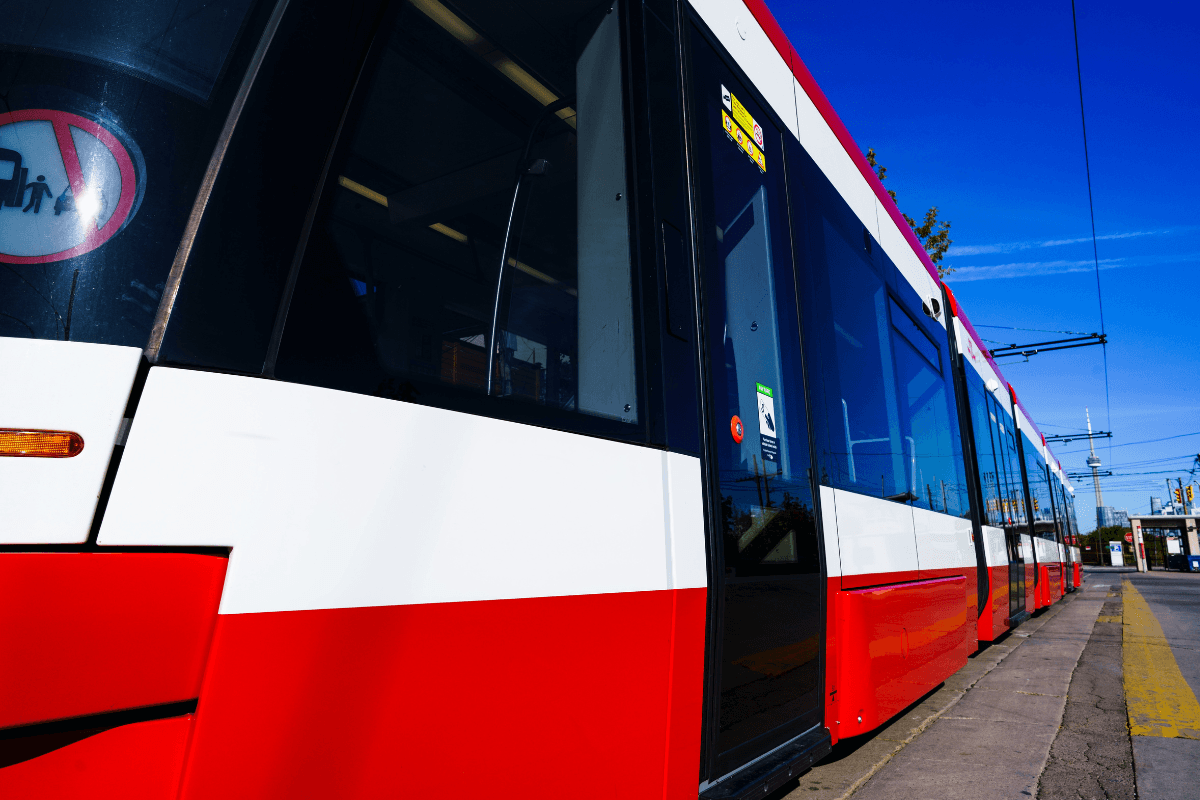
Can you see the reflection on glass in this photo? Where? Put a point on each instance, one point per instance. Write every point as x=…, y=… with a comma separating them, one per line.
x=182, y=44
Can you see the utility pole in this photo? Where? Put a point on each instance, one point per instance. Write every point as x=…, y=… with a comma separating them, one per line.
x=1182, y=496
x=1094, y=463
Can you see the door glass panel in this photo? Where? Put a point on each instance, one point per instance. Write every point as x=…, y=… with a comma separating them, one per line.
x=769, y=599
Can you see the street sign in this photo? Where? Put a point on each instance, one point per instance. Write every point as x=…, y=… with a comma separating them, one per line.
x=1129, y=537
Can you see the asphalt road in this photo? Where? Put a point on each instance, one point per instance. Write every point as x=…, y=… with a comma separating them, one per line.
x=1166, y=750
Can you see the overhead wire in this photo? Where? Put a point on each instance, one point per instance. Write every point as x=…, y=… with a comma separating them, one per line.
x=1130, y=444
x=1092, y=211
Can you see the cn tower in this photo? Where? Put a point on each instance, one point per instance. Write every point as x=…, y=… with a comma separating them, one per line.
x=1094, y=463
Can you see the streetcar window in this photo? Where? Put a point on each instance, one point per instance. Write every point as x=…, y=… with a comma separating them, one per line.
x=992, y=480
x=111, y=111
x=471, y=248
x=928, y=432
x=866, y=450
x=1039, y=491
x=889, y=427
x=936, y=473
x=1016, y=489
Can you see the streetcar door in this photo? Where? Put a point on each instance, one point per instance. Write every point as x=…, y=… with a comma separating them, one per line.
x=1016, y=572
x=763, y=672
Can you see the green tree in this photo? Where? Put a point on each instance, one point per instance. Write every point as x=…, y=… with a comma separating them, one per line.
x=934, y=233
x=1100, y=538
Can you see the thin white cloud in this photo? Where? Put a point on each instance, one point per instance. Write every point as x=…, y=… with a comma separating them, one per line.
x=1011, y=247
x=1027, y=269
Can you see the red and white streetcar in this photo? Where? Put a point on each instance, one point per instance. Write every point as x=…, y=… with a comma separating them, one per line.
x=423, y=398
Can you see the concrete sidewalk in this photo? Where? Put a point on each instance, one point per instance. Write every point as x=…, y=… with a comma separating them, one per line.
x=987, y=732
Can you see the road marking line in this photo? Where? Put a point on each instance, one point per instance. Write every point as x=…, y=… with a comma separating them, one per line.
x=1159, y=700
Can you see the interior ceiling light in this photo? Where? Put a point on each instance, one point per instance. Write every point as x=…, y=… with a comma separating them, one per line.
x=457, y=236
x=446, y=230
x=359, y=189
x=450, y=22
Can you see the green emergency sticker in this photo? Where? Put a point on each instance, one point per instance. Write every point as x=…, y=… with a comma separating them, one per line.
x=764, y=390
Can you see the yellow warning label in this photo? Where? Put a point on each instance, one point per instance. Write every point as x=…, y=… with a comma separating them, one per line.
x=744, y=119
x=744, y=141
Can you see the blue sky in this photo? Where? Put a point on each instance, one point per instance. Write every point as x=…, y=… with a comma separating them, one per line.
x=974, y=108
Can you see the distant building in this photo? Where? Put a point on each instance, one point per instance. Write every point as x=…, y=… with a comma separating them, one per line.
x=1109, y=517
x=1155, y=506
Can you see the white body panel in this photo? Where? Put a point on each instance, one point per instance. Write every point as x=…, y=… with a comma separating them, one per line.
x=979, y=362
x=906, y=260
x=874, y=535
x=69, y=386
x=335, y=500
x=1047, y=551
x=1026, y=548
x=739, y=32
x=833, y=557
x=943, y=541
x=1032, y=440
x=994, y=550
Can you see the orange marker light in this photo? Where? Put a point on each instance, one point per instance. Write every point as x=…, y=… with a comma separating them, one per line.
x=39, y=444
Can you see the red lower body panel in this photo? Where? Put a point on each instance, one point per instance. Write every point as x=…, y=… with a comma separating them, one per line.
x=85, y=633
x=1030, y=586
x=1049, y=587
x=592, y=696
x=993, y=621
x=894, y=644
x=1077, y=569
x=141, y=761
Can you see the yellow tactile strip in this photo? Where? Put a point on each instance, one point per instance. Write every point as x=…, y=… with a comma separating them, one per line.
x=1159, y=700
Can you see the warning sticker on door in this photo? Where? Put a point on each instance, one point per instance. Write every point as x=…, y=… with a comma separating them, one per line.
x=743, y=140
x=67, y=185
x=767, y=433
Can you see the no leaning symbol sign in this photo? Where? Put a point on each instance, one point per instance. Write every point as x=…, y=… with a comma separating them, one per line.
x=67, y=185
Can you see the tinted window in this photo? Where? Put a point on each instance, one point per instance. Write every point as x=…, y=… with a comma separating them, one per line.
x=930, y=429
x=865, y=449
x=228, y=301
x=471, y=247
x=992, y=481
x=883, y=408
x=108, y=118
x=1039, y=491
x=1015, y=510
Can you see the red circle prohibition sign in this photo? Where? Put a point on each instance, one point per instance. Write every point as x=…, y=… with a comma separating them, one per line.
x=63, y=121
